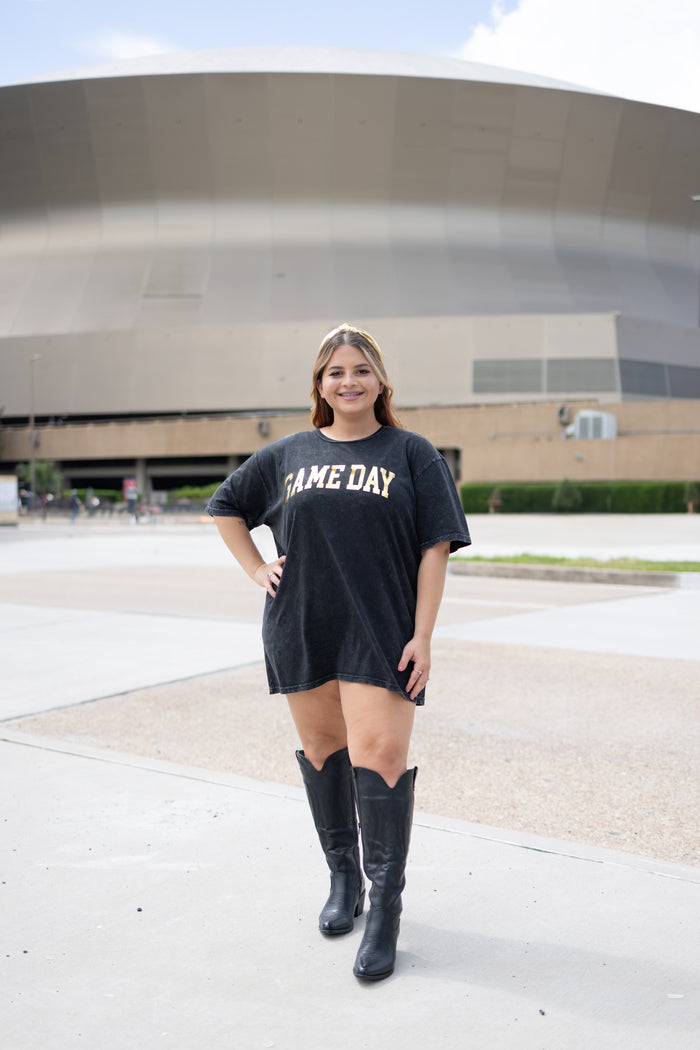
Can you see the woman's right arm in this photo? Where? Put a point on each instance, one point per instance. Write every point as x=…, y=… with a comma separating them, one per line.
x=235, y=534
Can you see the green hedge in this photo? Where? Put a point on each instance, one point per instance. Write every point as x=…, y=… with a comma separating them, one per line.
x=195, y=493
x=597, y=497
x=103, y=495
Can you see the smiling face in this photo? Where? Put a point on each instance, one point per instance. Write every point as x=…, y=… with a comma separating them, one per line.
x=348, y=384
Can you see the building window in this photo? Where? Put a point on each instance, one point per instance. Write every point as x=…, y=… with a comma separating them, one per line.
x=507, y=377
x=581, y=375
x=684, y=381
x=643, y=377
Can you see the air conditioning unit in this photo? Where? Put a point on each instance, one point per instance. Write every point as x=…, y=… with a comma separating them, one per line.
x=589, y=424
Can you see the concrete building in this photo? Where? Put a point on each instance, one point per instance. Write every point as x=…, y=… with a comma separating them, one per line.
x=177, y=234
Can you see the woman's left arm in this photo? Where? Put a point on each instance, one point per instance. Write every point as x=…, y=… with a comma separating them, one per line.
x=431, y=584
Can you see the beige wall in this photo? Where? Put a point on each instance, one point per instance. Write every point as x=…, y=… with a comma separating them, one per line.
x=268, y=365
x=657, y=440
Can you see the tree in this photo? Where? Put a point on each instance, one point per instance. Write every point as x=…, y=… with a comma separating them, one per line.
x=566, y=497
x=691, y=497
x=48, y=478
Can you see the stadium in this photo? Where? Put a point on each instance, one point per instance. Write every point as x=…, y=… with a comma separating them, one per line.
x=177, y=234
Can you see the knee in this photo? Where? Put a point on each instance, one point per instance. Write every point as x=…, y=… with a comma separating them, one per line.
x=384, y=756
x=319, y=745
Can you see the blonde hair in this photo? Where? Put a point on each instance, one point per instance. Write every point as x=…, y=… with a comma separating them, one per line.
x=349, y=335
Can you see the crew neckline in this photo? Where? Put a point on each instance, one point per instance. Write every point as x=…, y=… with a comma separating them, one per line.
x=349, y=441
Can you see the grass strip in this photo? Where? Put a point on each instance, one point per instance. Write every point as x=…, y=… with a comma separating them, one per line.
x=629, y=564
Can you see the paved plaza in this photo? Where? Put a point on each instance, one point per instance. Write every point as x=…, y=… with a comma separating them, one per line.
x=162, y=877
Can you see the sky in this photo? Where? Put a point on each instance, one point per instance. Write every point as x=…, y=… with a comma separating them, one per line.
x=642, y=49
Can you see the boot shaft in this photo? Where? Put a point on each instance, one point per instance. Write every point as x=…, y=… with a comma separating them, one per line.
x=386, y=817
x=332, y=803
x=330, y=794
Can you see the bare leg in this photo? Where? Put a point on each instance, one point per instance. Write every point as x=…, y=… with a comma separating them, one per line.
x=318, y=717
x=379, y=726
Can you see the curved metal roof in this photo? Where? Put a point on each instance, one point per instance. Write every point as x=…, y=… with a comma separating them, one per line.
x=170, y=224
x=310, y=60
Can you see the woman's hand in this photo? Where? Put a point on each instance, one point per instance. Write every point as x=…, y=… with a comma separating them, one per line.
x=418, y=652
x=269, y=574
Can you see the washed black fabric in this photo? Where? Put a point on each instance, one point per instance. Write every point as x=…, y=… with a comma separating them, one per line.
x=352, y=518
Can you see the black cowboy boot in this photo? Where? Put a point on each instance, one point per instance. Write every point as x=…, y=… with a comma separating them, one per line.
x=386, y=815
x=330, y=796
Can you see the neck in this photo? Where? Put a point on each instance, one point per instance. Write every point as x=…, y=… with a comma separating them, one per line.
x=339, y=430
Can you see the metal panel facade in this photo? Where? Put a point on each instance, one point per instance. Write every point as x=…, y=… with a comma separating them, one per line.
x=154, y=226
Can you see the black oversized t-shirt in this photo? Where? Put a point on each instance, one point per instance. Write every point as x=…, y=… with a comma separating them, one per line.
x=352, y=518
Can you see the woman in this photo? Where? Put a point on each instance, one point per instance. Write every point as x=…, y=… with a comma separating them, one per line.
x=364, y=515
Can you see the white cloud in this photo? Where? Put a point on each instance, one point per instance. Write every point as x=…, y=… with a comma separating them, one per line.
x=642, y=49
x=115, y=44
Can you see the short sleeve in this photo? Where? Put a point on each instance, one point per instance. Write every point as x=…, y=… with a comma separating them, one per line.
x=439, y=514
x=244, y=494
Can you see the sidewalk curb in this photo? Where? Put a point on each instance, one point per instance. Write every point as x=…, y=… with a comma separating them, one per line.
x=571, y=574
x=498, y=836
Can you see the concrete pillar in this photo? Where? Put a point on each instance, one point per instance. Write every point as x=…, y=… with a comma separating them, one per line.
x=143, y=483
x=453, y=458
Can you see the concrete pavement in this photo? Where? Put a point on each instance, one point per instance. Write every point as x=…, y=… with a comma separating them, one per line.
x=150, y=903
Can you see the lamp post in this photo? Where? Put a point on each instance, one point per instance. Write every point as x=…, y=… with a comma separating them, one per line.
x=32, y=432
x=695, y=198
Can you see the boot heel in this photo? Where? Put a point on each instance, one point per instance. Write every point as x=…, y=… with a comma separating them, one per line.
x=360, y=906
